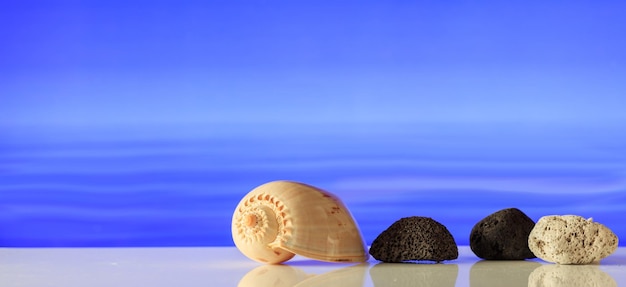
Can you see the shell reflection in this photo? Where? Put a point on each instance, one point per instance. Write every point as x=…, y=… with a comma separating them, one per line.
x=272, y=275
x=289, y=276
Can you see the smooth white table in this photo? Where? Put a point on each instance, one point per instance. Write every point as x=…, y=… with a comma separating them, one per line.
x=225, y=266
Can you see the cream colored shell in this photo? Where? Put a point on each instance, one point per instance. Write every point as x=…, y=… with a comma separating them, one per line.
x=279, y=219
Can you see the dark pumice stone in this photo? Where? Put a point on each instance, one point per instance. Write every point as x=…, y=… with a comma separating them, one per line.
x=502, y=235
x=415, y=238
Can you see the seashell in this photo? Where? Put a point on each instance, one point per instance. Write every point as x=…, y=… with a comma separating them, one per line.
x=279, y=219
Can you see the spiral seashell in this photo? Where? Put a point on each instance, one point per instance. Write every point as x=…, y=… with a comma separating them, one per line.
x=280, y=219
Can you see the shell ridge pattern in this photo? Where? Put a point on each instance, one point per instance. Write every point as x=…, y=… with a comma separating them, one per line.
x=257, y=203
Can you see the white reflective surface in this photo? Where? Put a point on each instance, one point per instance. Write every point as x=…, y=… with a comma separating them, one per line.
x=225, y=266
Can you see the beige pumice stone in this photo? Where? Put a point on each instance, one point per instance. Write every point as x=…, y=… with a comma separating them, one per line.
x=571, y=239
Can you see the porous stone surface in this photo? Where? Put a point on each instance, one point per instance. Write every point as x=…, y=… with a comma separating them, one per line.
x=413, y=239
x=571, y=239
x=502, y=235
x=570, y=276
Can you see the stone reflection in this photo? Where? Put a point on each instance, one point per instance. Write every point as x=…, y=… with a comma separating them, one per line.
x=289, y=276
x=487, y=273
x=407, y=274
x=570, y=275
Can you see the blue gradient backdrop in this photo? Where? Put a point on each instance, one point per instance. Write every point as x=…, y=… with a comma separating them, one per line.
x=143, y=123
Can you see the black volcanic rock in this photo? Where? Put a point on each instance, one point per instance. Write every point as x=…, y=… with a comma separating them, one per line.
x=502, y=235
x=415, y=238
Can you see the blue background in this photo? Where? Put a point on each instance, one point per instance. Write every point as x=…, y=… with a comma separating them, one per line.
x=143, y=123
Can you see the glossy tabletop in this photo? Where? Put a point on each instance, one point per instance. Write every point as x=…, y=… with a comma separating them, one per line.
x=225, y=266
